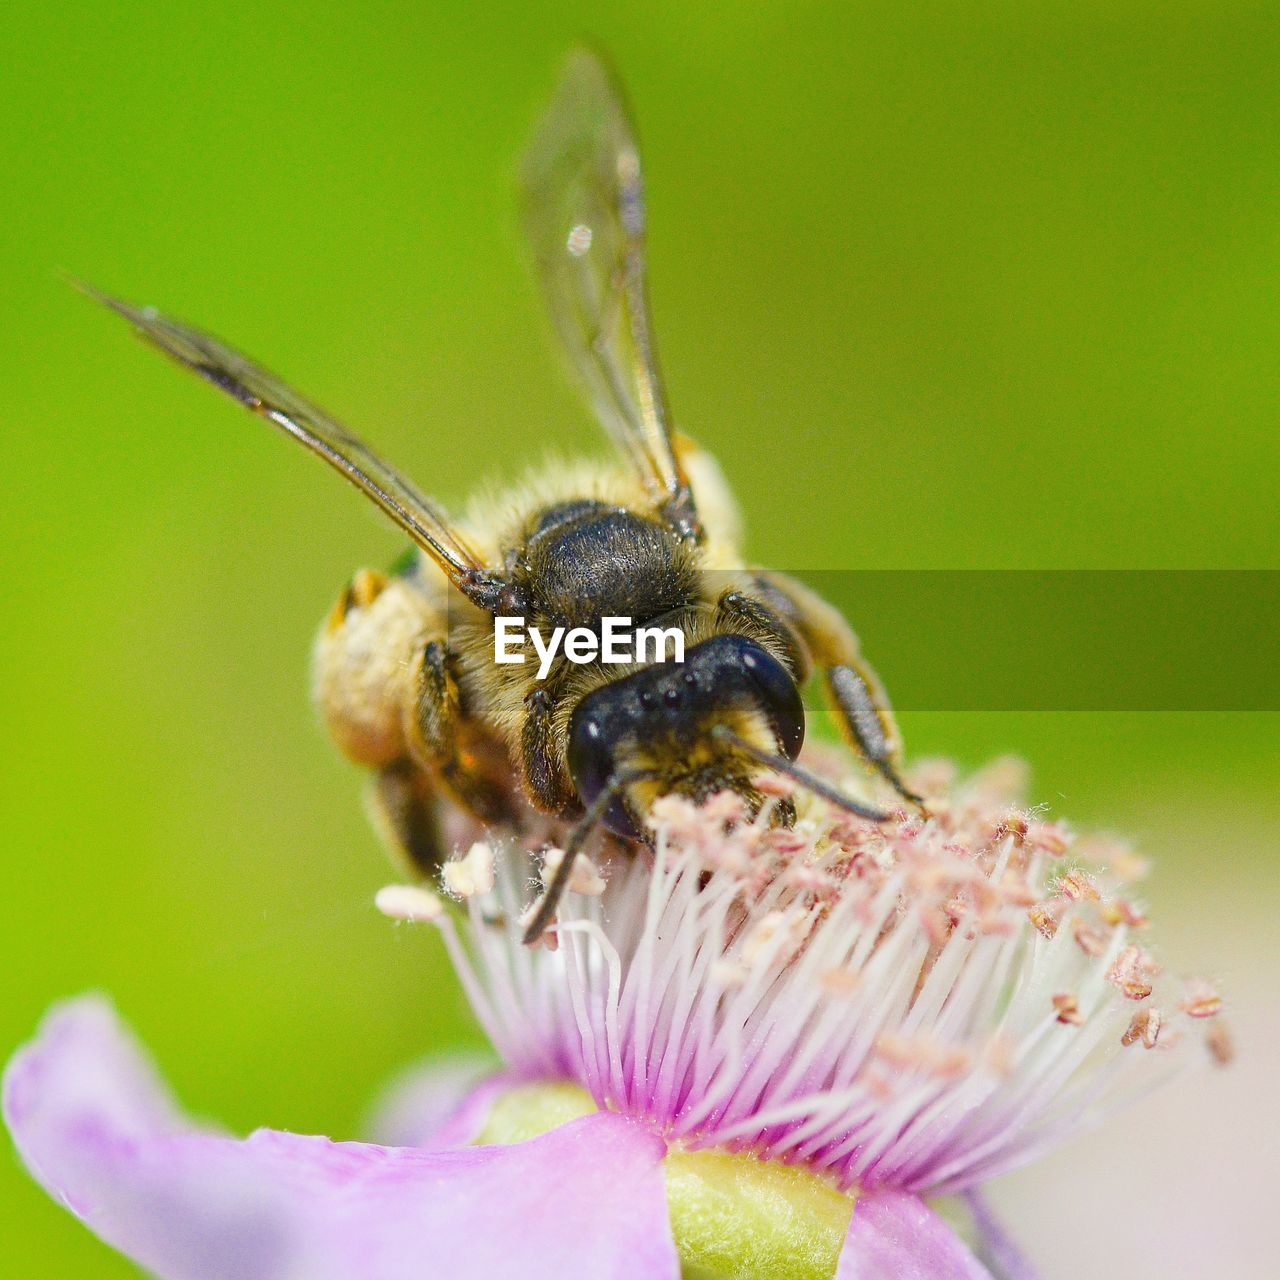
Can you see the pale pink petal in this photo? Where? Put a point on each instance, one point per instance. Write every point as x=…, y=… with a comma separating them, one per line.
x=896, y=1236
x=97, y=1129
x=995, y=1244
x=441, y=1102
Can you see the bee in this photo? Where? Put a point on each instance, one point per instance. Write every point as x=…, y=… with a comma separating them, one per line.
x=404, y=670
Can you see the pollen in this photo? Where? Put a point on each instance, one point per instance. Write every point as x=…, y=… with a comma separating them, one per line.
x=775, y=936
x=1144, y=1026
x=1067, y=1007
x=1049, y=837
x=1132, y=973
x=472, y=874
x=1220, y=1043
x=1045, y=920
x=1079, y=886
x=409, y=902
x=1089, y=938
x=1200, y=1000
x=585, y=878
x=1121, y=911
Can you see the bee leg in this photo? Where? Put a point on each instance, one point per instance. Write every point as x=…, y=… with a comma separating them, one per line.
x=545, y=780
x=382, y=687
x=402, y=806
x=748, y=616
x=582, y=829
x=435, y=733
x=361, y=655
x=854, y=692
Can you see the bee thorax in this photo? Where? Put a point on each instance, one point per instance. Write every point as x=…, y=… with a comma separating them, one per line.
x=587, y=559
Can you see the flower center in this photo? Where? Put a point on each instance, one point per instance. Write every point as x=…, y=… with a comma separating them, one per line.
x=733, y=1216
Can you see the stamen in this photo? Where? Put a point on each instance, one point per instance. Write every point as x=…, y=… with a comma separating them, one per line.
x=1200, y=1000
x=1220, y=1043
x=1132, y=973
x=1068, y=1007
x=1144, y=1026
x=923, y=1002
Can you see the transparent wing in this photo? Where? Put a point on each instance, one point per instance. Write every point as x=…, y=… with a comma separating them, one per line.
x=583, y=209
x=269, y=398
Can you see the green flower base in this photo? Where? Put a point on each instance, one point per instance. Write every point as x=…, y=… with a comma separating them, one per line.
x=733, y=1216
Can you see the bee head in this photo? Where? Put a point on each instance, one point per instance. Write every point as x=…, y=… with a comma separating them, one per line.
x=661, y=724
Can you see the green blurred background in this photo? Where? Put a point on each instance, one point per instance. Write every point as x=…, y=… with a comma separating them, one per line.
x=982, y=286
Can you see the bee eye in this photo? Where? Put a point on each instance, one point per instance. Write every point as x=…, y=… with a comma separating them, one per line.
x=590, y=760
x=591, y=764
x=779, y=696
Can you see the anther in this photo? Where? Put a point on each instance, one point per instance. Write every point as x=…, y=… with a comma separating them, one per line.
x=471, y=874
x=408, y=902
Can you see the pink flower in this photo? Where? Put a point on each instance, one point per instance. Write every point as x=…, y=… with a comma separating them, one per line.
x=748, y=1055
x=101, y=1134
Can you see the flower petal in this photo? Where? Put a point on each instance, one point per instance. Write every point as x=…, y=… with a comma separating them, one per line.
x=994, y=1243
x=439, y=1102
x=896, y=1236
x=96, y=1127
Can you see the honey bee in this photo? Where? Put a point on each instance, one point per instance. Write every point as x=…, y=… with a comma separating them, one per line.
x=405, y=671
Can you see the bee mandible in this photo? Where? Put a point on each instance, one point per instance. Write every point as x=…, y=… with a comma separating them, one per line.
x=405, y=670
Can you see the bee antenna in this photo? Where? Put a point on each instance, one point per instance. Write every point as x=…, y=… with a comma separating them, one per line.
x=573, y=846
x=810, y=781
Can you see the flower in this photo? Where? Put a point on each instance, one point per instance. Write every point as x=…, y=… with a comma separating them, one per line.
x=761, y=1050
x=98, y=1130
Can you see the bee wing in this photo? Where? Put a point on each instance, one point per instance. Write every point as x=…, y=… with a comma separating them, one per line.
x=583, y=211
x=264, y=394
